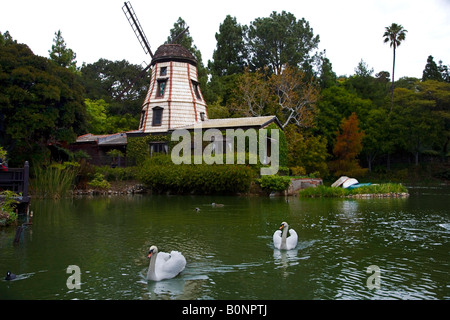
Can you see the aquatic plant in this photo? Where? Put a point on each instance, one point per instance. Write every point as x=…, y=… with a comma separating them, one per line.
x=324, y=191
x=53, y=181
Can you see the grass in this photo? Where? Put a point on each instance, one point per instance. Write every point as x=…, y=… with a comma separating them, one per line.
x=52, y=182
x=324, y=191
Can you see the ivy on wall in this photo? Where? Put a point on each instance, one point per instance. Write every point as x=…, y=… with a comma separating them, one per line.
x=139, y=147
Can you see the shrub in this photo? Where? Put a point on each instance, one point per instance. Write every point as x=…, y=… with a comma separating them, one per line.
x=7, y=206
x=274, y=182
x=162, y=176
x=117, y=174
x=99, y=182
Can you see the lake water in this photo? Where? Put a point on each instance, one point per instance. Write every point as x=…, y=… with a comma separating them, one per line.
x=229, y=249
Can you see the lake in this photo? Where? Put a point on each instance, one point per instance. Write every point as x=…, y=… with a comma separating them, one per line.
x=229, y=249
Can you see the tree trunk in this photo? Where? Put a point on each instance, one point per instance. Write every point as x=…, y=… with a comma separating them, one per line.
x=392, y=86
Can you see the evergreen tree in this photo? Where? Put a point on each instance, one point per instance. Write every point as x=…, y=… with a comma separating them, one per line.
x=62, y=55
x=230, y=54
x=281, y=39
x=431, y=71
x=187, y=41
x=444, y=70
x=327, y=76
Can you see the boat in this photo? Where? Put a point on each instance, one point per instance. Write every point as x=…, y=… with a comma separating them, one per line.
x=339, y=181
x=357, y=185
x=349, y=182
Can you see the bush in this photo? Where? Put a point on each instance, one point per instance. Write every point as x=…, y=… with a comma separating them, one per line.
x=117, y=174
x=99, y=182
x=274, y=182
x=163, y=176
x=7, y=206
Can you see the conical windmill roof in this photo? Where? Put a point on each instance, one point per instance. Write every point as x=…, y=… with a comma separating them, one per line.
x=173, y=52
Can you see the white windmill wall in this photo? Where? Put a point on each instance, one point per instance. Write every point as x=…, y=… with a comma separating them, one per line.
x=180, y=104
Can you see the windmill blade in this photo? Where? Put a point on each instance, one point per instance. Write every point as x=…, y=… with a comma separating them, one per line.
x=179, y=36
x=136, y=26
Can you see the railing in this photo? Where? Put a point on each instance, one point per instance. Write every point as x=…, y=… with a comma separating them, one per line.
x=16, y=180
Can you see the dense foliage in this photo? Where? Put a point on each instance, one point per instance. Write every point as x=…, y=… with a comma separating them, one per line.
x=270, y=67
x=161, y=175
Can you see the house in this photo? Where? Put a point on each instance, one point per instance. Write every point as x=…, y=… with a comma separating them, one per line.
x=173, y=101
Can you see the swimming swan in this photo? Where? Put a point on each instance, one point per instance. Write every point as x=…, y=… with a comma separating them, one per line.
x=164, y=265
x=281, y=242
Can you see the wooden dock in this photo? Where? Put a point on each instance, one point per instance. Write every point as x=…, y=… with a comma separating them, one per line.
x=17, y=180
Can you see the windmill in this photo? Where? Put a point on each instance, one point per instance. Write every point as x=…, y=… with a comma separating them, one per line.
x=142, y=38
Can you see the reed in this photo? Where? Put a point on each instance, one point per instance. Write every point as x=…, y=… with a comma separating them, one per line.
x=52, y=182
x=324, y=191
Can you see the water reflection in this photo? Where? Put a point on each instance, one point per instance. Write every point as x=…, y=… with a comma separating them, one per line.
x=229, y=249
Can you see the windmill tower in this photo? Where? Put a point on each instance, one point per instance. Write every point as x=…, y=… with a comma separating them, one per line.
x=174, y=98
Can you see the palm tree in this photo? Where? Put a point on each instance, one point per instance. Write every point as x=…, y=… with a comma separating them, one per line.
x=394, y=34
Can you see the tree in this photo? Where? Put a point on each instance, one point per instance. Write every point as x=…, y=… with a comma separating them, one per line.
x=438, y=94
x=444, y=70
x=335, y=104
x=327, y=77
x=230, y=54
x=431, y=71
x=377, y=139
x=62, y=55
x=297, y=96
x=252, y=95
x=107, y=79
x=183, y=37
x=306, y=151
x=415, y=126
x=394, y=34
x=347, y=147
x=281, y=39
x=366, y=86
x=41, y=103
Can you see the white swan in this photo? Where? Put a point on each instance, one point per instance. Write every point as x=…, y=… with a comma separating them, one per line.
x=164, y=265
x=281, y=242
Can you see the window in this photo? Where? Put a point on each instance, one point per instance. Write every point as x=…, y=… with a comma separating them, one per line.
x=159, y=147
x=157, y=116
x=202, y=116
x=142, y=119
x=196, y=89
x=163, y=71
x=161, y=88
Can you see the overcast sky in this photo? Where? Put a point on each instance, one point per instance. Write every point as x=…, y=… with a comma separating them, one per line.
x=349, y=30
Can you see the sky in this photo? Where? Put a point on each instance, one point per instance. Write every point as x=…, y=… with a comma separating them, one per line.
x=349, y=30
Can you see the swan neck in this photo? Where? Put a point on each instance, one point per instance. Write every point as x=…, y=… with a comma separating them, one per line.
x=284, y=235
x=151, y=268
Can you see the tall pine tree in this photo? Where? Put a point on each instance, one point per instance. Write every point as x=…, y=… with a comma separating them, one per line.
x=431, y=71
x=61, y=55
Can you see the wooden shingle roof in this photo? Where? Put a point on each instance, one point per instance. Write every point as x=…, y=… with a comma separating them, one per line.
x=173, y=52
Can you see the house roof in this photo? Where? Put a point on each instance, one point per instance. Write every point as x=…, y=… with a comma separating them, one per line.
x=246, y=122
x=104, y=140
x=173, y=52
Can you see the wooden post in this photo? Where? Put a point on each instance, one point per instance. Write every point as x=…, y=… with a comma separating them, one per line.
x=26, y=177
